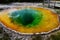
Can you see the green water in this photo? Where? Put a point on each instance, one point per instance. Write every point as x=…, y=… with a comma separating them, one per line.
x=26, y=17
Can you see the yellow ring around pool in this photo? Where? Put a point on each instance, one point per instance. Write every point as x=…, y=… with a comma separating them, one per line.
x=49, y=22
